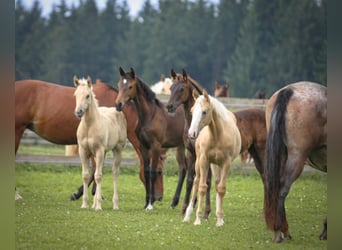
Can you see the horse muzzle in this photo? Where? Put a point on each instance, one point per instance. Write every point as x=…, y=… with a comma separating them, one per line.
x=79, y=113
x=119, y=106
x=170, y=108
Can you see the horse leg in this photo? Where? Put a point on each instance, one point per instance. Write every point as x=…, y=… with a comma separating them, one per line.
x=180, y=156
x=156, y=151
x=146, y=162
x=201, y=191
x=190, y=207
x=76, y=196
x=191, y=158
x=100, y=155
x=221, y=176
x=115, y=173
x=258, y=156
x=293, y=168
x=324, y=234
x=207, y=199
x=85, y=175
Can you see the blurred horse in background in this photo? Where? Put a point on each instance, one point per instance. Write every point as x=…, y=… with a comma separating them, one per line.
x=221, y=90
x=163, y=86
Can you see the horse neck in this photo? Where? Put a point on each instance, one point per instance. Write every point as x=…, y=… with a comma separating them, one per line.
x=143, y=105
x=215, y=126
x=187, y=108
x=92, y=114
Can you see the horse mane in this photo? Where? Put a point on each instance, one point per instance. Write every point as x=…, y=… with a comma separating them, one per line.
x=195, y=84
x=220, y=109
x=150, y=95
x=84, y=82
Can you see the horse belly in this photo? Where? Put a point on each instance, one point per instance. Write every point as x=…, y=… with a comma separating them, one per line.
x=318, y=159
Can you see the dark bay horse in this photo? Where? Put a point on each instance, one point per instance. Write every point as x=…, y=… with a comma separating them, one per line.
x=156, y=128
x=48, y=110
x=251, y=123
x=296, y=119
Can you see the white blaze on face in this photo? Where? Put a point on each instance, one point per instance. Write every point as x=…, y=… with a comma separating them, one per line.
x=124, y=81
x=196, y=118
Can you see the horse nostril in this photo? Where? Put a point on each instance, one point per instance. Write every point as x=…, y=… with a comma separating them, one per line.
x=169, y=107
x=119, y=106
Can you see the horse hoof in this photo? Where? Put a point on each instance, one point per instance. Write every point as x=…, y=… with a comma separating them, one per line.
x=149, y=207
x=73, y=197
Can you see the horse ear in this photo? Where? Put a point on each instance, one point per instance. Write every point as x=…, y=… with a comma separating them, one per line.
x=162, y=78
x=89, y=81
x=185, y=76
x=132, y=73
x=75, y=80
x=122, y=72
x=173, y=74
x=228, y=85
x=217, y=85
x=195, y=94
x=205, y=93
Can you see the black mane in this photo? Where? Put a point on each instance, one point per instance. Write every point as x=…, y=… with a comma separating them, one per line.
x=150, y=95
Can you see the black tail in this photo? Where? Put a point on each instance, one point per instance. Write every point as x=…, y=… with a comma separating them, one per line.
x=276, y=155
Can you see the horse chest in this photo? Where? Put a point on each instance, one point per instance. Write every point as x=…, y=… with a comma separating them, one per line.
x=216, y=156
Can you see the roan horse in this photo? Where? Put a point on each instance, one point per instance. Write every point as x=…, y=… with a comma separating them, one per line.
x=217, y=144
x=38, y=107
x=296, y=119
x=156, y=129
x=101, y=129
x=251, y=123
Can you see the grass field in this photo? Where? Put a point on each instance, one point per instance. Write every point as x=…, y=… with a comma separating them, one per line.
x=47, y=219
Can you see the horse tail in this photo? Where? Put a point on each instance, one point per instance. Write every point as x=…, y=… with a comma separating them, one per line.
x=276, y=156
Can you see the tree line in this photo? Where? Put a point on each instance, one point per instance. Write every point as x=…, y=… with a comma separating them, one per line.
x=252, y=44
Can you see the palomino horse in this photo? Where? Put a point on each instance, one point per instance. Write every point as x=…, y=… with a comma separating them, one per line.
x=181, y=93
x=217, y=144
x=47, y=109
x=156, y=128
x=101, y=129
x=296, y=119
x=221, y=90
x=251, y=123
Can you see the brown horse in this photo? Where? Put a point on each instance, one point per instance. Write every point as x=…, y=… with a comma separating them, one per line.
x=251, y=123
x=156, y=129
x=221, y=90
x=296, y=119
x=47, y=109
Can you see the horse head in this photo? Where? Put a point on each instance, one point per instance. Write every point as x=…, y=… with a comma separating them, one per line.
x=180, y=90
x=127, y=88
x=221, y=90
x=83, y=94
x=201, y=113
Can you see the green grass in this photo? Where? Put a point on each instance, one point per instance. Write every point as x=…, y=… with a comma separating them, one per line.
x=47, y=219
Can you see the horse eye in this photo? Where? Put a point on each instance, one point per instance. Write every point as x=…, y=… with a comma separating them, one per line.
x=87, y=96
x=182, y=89
x=204, y=112
x=130, y=87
